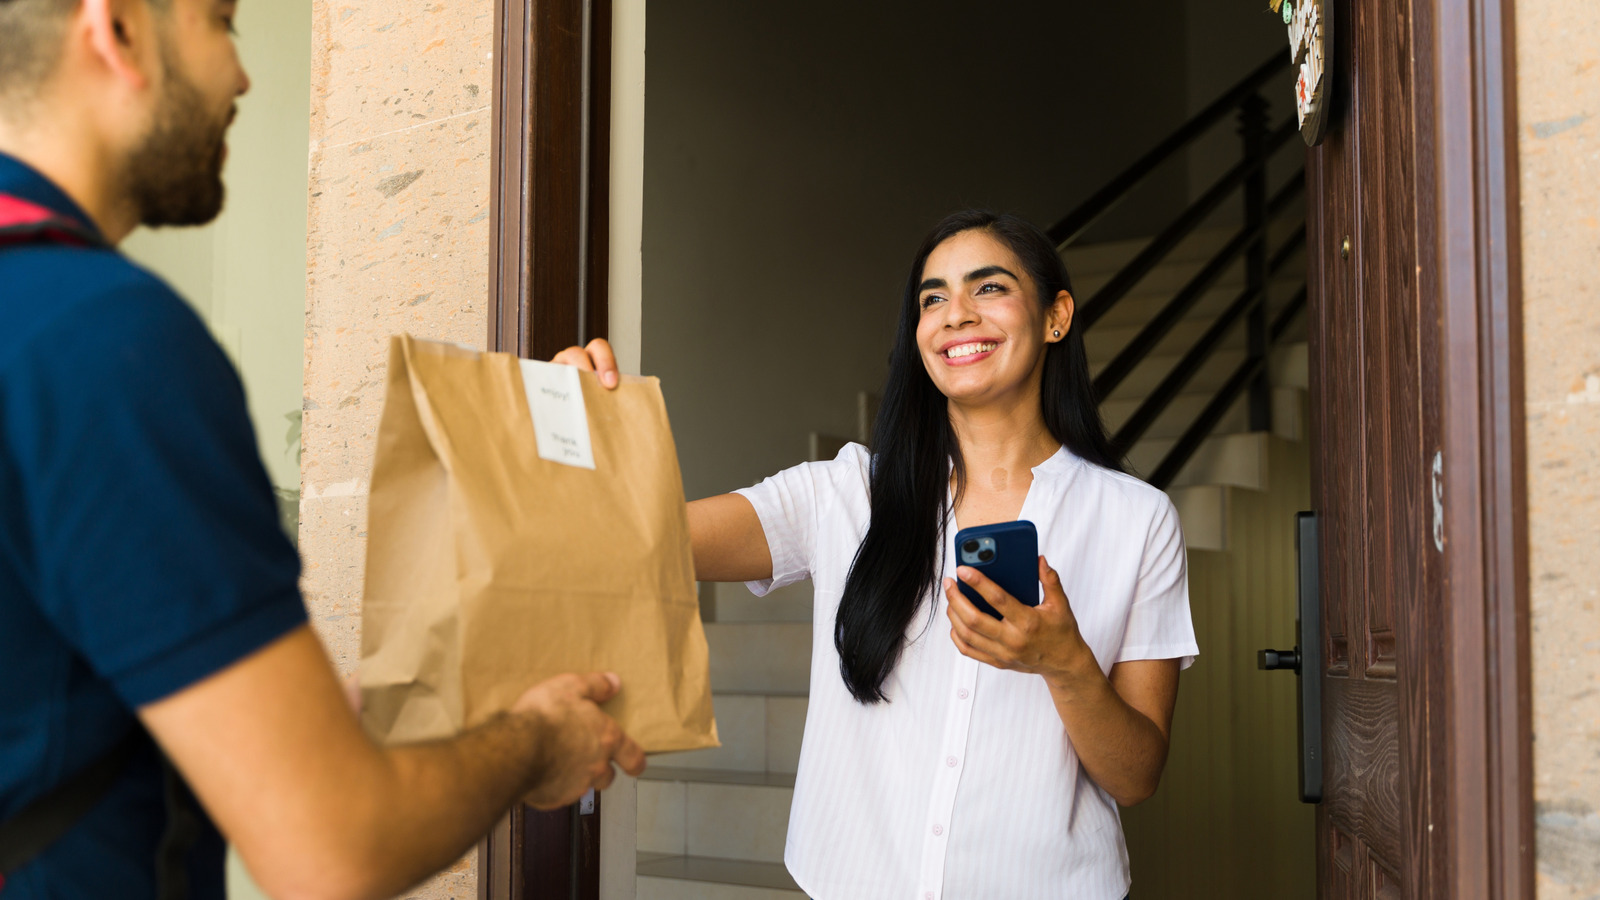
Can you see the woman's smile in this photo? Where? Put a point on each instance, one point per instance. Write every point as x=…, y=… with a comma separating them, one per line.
x=967, y=351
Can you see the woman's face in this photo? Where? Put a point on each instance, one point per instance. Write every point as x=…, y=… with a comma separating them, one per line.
x=983, y=330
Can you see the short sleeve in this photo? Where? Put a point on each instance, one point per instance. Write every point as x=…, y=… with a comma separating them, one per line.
x=790, y=506
x=1159, y=623
x=153, y=541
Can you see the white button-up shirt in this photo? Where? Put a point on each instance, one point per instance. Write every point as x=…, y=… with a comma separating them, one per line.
x=965, y=785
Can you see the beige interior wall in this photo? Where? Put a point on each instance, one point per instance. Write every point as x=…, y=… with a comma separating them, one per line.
x=1558, y=95
x=619, y=809
x=1227, y=820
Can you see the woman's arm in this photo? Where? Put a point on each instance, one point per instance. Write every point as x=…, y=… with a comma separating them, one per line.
x=729, y=544
x=1118, y=726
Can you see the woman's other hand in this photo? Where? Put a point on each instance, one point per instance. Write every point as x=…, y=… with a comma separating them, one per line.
x=1043, y=640
x=596, y=357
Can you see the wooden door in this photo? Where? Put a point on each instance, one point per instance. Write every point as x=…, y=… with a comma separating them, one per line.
x=1416, y=459
x=1369, y=460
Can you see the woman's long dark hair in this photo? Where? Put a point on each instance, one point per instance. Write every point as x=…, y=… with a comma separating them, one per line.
x=915, y=446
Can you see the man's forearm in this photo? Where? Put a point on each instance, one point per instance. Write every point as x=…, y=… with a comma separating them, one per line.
x=448, y=794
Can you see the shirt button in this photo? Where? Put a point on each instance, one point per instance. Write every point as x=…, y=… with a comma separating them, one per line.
x=962, y=693
x=951, y=762
x=928, y=895
x=938, y=830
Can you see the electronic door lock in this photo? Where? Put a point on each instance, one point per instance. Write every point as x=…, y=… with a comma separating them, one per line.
x=1272, y=660
x=1305, y=660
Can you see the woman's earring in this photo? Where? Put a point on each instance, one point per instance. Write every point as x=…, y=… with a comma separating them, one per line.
x=1057, y=333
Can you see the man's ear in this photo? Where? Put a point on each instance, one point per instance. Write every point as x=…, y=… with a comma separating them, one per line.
x=118, y=32
x=1059, y=316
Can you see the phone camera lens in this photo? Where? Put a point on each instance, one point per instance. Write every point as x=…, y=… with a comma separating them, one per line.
x=985, y=555
x=970, y=547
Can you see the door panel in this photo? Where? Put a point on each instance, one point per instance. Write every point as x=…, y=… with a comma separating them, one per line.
x=1369, y=456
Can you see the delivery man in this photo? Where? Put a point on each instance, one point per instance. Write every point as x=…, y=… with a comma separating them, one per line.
x=145, y=589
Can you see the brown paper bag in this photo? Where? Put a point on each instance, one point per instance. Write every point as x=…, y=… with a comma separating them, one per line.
x=490, y=568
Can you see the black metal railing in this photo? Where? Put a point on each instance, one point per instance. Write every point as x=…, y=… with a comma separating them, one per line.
x=1248, y=178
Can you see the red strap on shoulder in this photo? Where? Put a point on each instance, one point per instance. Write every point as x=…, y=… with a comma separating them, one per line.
x=23, y=222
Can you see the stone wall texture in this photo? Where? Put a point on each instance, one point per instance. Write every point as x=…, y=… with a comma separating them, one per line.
x=1558, y=63
x=397, y=241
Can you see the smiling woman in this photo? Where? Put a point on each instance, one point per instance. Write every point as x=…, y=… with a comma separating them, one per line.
x=913, y=733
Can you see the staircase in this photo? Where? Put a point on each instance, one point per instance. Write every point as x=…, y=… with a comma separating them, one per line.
x=1197, y=410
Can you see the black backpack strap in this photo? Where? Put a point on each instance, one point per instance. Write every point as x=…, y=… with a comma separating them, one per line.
x=43, y=822
x=49, y=817
x=183, y=829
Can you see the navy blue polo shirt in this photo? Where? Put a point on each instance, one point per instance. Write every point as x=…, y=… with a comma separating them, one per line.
x=140, y=550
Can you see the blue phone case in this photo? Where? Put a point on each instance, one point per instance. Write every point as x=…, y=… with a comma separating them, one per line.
x=1013, y=565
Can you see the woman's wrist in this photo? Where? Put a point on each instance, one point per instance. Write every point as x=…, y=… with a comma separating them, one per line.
x=1078, y=675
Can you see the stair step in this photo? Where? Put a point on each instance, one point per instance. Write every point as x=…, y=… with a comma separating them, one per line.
x=724, y=814
x=1106, y=257
x=668, y=877
x=1237, y=460
x=1103, y=344
x=1146, y=376
x=760, y=657
x=733, y=602
x=1177, y=417
x=1142, y=305
x=759, y=732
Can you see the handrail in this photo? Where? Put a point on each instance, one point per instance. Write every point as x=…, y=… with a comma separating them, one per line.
x=1178, y=456
x=1075, y=223
x=1135, y=426
x=1169, y=238
x=1169, y=316
x=1249, y=244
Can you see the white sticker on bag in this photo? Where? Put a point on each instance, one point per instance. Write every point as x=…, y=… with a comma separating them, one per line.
x=560, y=422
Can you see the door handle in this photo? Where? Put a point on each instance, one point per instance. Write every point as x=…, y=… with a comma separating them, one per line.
x=1305, y=660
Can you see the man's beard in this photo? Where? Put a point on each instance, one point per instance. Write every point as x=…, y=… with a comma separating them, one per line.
x=175, y=176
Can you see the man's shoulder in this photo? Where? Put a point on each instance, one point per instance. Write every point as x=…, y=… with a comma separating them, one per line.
x=54, y=284
x=91, y=307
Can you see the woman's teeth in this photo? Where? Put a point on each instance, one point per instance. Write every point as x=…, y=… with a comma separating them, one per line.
x=968, y=349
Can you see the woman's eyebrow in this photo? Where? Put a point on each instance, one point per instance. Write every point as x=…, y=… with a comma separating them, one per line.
x=932, y=284
x=986, y=271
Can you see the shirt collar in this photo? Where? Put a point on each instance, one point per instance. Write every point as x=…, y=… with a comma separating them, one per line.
x=1060, y=463
x=24, y=182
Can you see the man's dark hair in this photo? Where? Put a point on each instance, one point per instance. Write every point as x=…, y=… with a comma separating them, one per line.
x=31, y=32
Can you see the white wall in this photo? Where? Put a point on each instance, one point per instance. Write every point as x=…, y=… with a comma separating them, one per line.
x=619, y=803
x=246, y=272
x=795, y=156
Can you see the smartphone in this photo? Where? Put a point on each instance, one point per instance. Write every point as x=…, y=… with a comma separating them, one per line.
x=1008, y=553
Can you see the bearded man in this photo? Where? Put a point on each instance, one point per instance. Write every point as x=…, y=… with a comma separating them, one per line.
x=153, y=642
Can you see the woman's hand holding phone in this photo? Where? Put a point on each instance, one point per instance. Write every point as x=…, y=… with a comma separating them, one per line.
x=1043, y=640
x=596, y=357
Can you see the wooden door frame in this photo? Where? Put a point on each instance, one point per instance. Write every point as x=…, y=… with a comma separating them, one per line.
x=549, y=250
x=1479, y=708
x=1470, y=708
